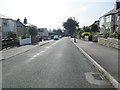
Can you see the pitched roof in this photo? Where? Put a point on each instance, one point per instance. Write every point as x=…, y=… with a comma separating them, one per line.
x=3, y=16
x=113, y=11
x=18, y=23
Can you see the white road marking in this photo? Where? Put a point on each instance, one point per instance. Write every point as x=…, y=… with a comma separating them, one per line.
x=56, y=42
x=42, y=51
x=32, y=58
x=48, y=47
x=53, y=44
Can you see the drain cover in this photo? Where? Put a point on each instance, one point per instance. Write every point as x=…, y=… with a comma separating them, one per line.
x=97, y=76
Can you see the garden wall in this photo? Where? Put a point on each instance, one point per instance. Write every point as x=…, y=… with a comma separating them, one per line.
x=24, y=41
x=109, y=42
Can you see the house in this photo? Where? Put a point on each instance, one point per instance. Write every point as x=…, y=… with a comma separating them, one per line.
x=0, y=28
x=23, y=33
x=96, y=22
x=117, y=20
x=43, y=33
x=109, y=20
x=8, y=25
x=21, y=29
x=0, y=34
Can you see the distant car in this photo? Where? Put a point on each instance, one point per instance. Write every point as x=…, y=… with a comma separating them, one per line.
x=52, y=37
x=56, y=37
x=60, y=36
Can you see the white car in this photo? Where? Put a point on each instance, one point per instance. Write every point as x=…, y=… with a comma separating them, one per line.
x=56, y=37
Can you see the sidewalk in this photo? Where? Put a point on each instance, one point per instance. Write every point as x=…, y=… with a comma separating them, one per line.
x=106, y=57
x=4, y=54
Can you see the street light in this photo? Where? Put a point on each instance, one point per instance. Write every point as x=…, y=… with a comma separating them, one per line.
x=75, y=30
x=104, y=27
x=104, y=31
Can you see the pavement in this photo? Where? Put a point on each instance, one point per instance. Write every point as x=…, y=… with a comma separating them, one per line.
x=104, y=58
x=5, y=54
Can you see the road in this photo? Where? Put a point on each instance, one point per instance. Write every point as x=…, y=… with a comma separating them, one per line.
x=58, y=64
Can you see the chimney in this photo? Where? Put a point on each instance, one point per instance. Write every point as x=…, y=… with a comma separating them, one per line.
x=18, y=19
x=25, y=21
x=117, y=4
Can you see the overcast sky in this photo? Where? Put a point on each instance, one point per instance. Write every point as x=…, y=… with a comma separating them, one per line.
x=52, y=13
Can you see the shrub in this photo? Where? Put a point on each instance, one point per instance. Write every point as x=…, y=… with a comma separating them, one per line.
x=85, y=33
x=11, y=35
x=106, y=35
x=116, y=34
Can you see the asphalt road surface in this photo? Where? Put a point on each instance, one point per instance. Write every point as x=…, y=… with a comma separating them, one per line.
x=58, y=64
x=105, y=56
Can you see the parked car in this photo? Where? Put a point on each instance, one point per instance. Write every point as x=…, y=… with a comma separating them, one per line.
x=56, y=37
x=60, y=36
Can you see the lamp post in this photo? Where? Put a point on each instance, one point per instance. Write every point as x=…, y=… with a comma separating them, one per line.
x=74, y=29
x=104, y=31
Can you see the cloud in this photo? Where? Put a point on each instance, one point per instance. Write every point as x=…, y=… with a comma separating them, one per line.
x=81, y=9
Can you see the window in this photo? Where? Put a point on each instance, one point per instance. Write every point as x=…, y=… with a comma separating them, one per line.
x=118, y=18
x=101, y=21
x=108, y=18
x=5, y=23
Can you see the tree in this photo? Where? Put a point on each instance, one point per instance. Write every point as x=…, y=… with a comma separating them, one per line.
x=70, y=25
x=94, y=28
x=59, y=31
x=33, y=31
x=86, y=29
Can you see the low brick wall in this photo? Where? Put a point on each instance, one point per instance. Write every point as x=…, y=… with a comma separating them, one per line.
x=109, y=42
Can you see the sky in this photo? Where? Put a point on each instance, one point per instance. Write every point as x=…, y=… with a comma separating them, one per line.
x=52, y=13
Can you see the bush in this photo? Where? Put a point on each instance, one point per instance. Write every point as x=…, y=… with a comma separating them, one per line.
x=85, y=33
x=106, y=35
x=116, y=34
x=11, y=35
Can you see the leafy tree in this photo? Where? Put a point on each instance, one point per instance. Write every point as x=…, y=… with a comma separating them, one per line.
x=54, y=31
x=33, y=31
x=50, y=33
x=79, y=30
x=70, y=25
x=94, y=28
x=86, y=29
x=59, y=31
